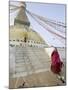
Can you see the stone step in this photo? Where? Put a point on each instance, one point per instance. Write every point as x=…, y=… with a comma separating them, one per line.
x=29, y=59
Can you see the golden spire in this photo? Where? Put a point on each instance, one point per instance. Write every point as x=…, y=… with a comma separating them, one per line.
x=22, y=17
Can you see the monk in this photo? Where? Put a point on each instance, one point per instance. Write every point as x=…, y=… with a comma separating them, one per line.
x=56, y=64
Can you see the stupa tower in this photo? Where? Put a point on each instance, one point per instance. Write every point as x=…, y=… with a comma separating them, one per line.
x=22, y=17
x=29, y=61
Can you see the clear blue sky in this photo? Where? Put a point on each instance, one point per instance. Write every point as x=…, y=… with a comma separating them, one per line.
x=51, y=11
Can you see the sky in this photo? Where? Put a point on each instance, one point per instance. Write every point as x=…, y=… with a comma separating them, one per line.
x=51, y=11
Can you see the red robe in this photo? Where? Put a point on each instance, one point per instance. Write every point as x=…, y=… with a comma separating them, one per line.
x=56, y=63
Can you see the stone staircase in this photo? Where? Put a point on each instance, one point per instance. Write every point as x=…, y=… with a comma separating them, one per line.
x=29, y=60
x=32, y=66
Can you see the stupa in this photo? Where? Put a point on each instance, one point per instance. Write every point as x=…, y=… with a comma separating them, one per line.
x=29, y=62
